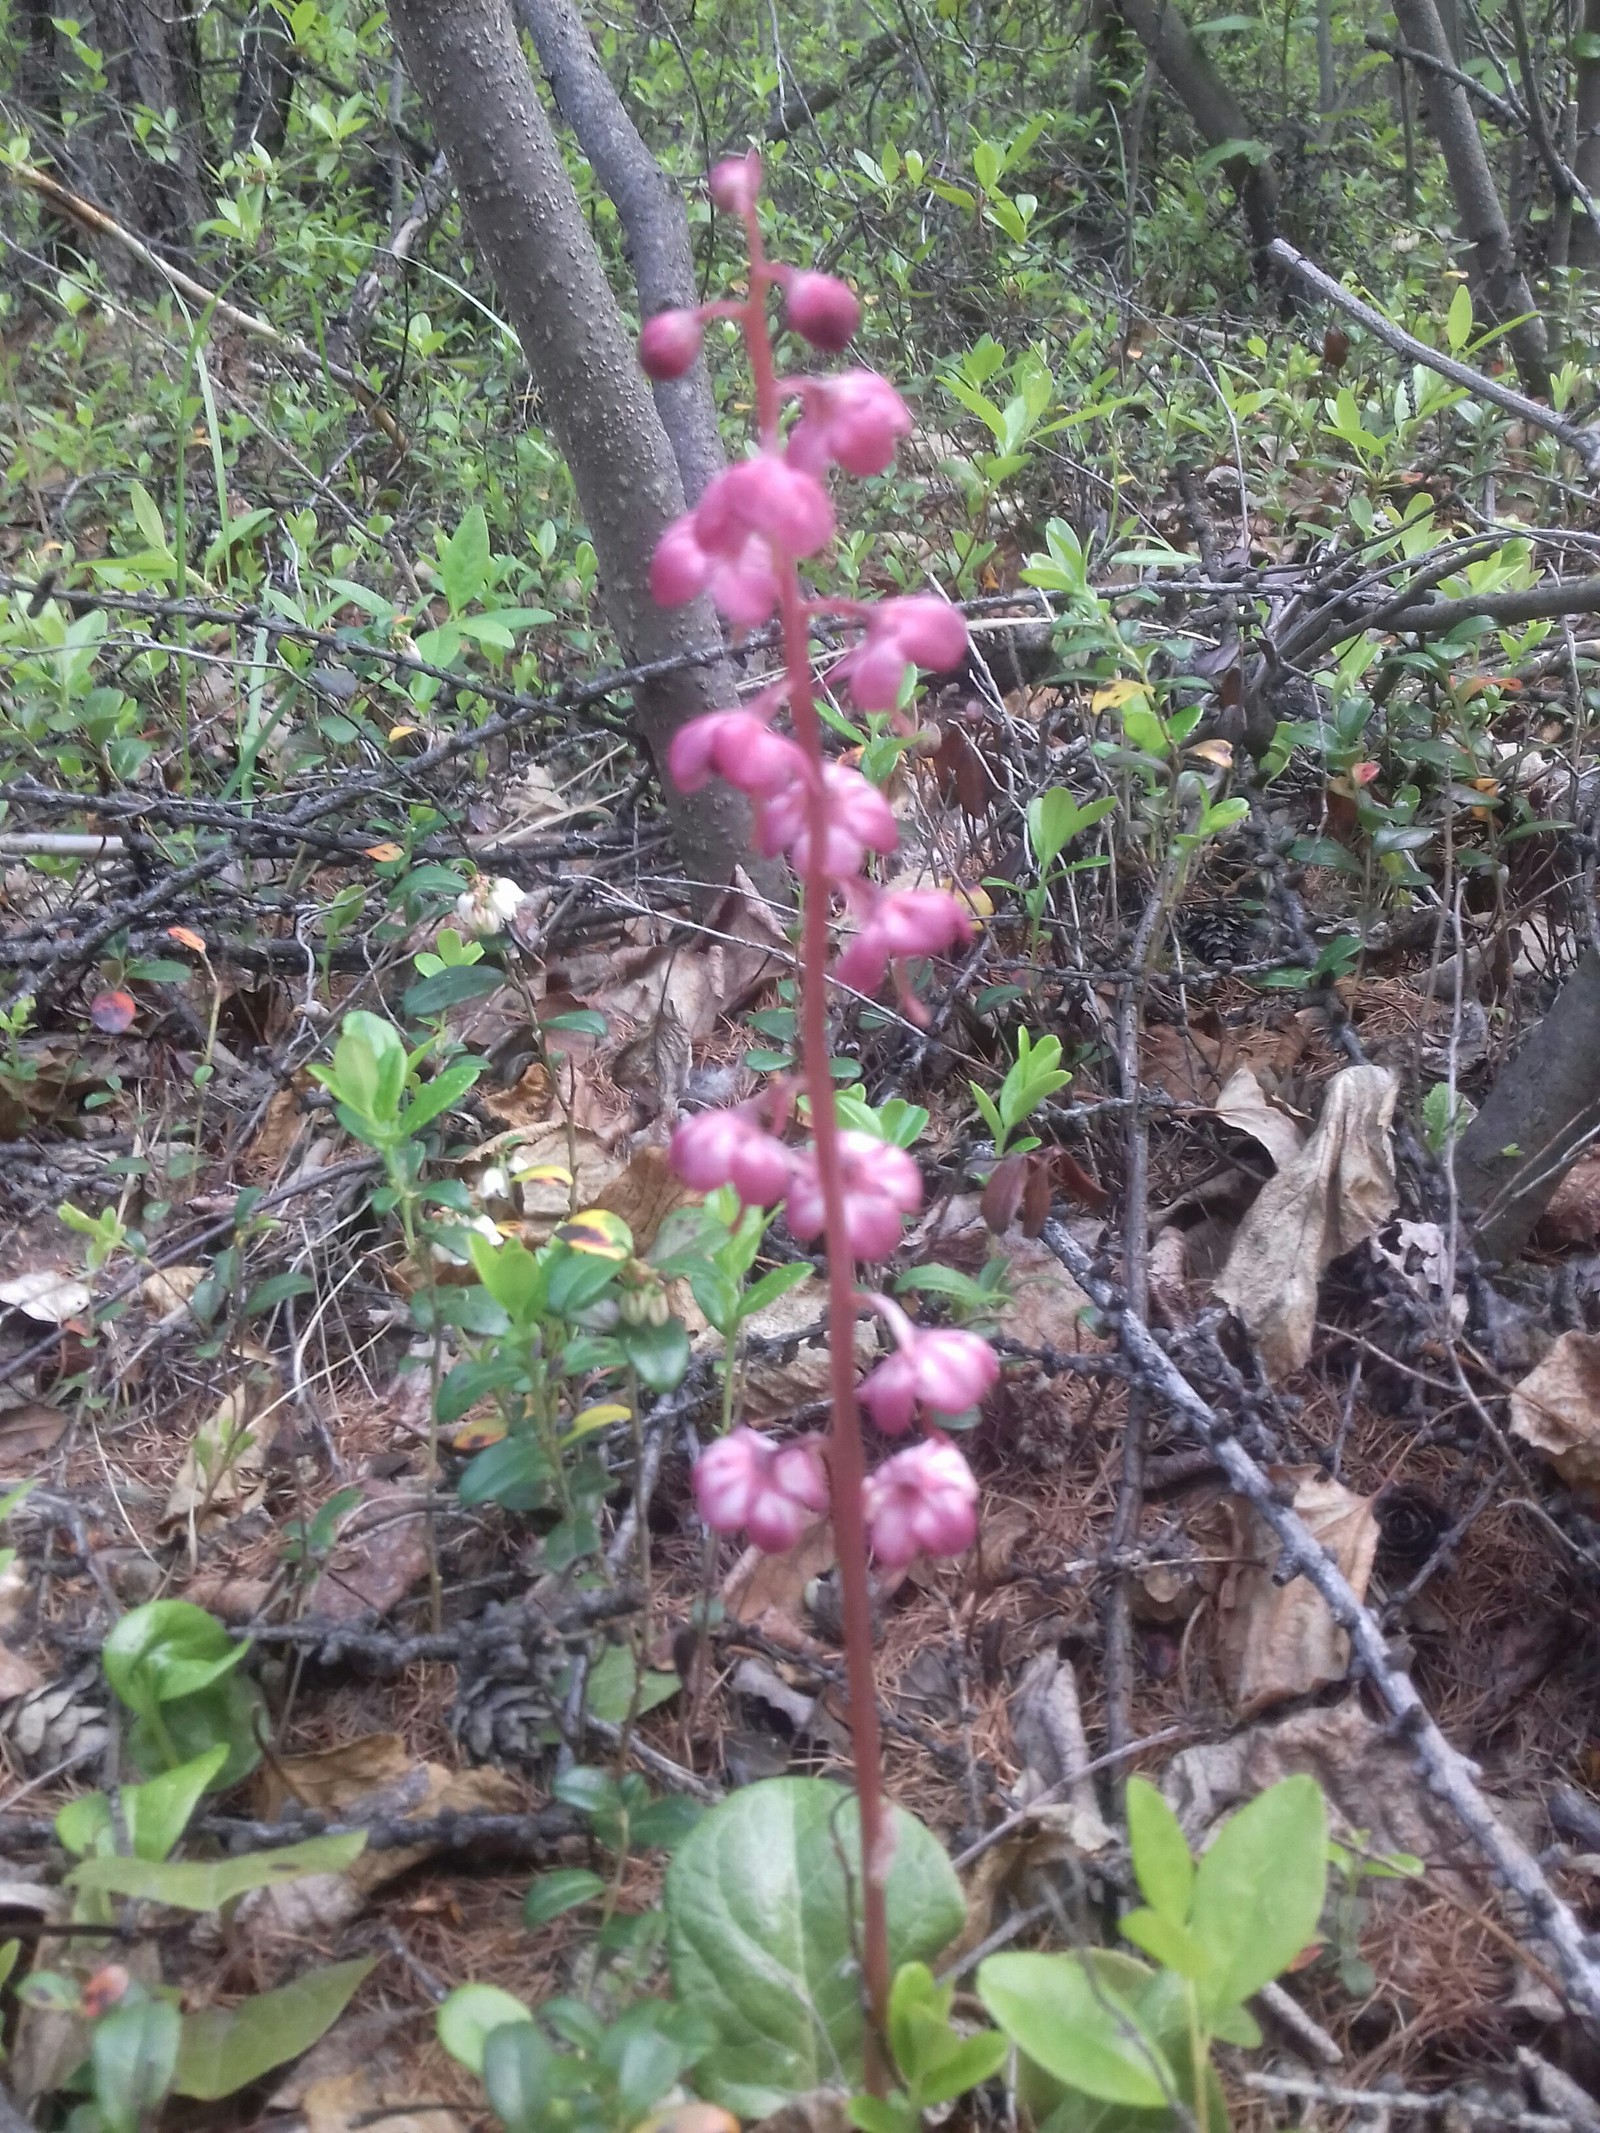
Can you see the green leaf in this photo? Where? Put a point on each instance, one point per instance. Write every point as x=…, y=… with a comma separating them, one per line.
x=877, y=2114
x=1259, y=1889
x=665, y=1823
x=470, y=2016
x=590, y=1791
x=563, y=1890
x=369, y=1066
x=467, y=1383
x=973, y=2061
x=452, y=987
x=510, y=1273
x=224, y=2049
x=660, y=1354
x=1163, y=1865
x=776, y=1282
x=519, y=2073
x=439, y=1094
x=147, y=517
x=165, y=1650
x=225, y=1713
x=157, y=1814
x=207, y=1884
x=761, y=1935
x=464, y=562
x=1079, y=2028
x=1458, y=319
x=1167, y=1941
x=132, y=2054
x=514, y=1473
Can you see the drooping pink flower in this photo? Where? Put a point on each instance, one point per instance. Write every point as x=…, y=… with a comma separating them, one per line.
x=725, y=545
x=945, y=1370
x=669, y=344
x=899, y=924
x=919, y=630
x=736, y=183
x=771, y=1491
x=860, y=820
x=823, y=308
x=853, y=420
x=737, y=746
x=923, y=1501
x=881, y=1185
x=729, y=1148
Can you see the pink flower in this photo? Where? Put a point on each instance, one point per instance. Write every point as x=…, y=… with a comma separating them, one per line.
x=736, y=183
x=921, y=630
x=766, y=496
x=881, y=1185
x=669, y=344
x=946, y=1371
x=923, y=1501
x=724, y=546
x=737, y=746
x=728, y=1148
x=773, y=1491
x=903, y=923
x=823, y=308
x=854, y=419
x=860, y=820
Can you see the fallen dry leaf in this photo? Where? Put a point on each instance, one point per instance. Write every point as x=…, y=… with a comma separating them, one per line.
x=382, y=1553
x=1279, y=1641
x=18, y=1676
x=1325, y=1201
x=1573, y=1215
x=47, y=1294
x=367, y=2097
x=767, y=1592
x=223, y=1470
x=27, y=1432
x=170, y=1287
x=1556, y=1408
x=1244, y=1106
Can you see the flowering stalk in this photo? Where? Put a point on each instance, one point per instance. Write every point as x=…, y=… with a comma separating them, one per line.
x=742, y=544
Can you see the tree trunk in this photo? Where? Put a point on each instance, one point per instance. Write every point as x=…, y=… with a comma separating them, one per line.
x=1500, y=282
x=651, y=211
x=1585, y=250
x=527, y=226
x=152, y=59
x=1327, y=72
x=266, y=81
x=1210, y=103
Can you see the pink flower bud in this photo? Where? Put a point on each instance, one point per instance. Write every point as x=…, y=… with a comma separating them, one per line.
x=945, y=1370
x=737, y=746
x=736, y=183
x=929, y=630
x=823, y=308
x=855, y=420
x=765, y=496
x=904, y=923
x=773, y=1491
x=881, y=1185
x=669, y=344
x=860, y=820
x=923, y=1501
x=728, y=1148
x=680, y=569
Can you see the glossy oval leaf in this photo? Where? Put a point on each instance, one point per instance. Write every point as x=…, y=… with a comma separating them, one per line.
x=1078, y=2028
x=761, y=1937
x=224, y=2049
x=1259, y=1888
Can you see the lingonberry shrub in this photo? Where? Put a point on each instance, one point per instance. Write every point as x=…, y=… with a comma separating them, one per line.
x=742, y=543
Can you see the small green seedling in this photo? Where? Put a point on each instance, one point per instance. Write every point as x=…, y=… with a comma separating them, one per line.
x=1105, y=2025
x=176, y=1669
x=936, y=2061
x=1035, y=1076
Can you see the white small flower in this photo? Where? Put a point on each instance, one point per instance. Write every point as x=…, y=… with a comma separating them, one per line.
x=488, y=906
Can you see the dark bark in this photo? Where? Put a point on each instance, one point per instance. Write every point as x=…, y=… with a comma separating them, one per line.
x=1499, y=281
x=795, y=107
x=1539, y=1117
x=152, y=59
x=525, y=221
x=266, y=82
x=650, y=208
x=1216, y=112
x=1585, y=248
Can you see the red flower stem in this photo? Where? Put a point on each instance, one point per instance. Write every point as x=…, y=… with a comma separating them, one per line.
x=846, y=1455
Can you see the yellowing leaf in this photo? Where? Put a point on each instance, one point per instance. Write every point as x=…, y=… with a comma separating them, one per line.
x=186, y=937
x=598, y=1231
x=478, y=1435
x=598, y=1417
x=383, y=853
x=1219, y=752
x=1117, y=693
x=398, y=733
x=543, y=1174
